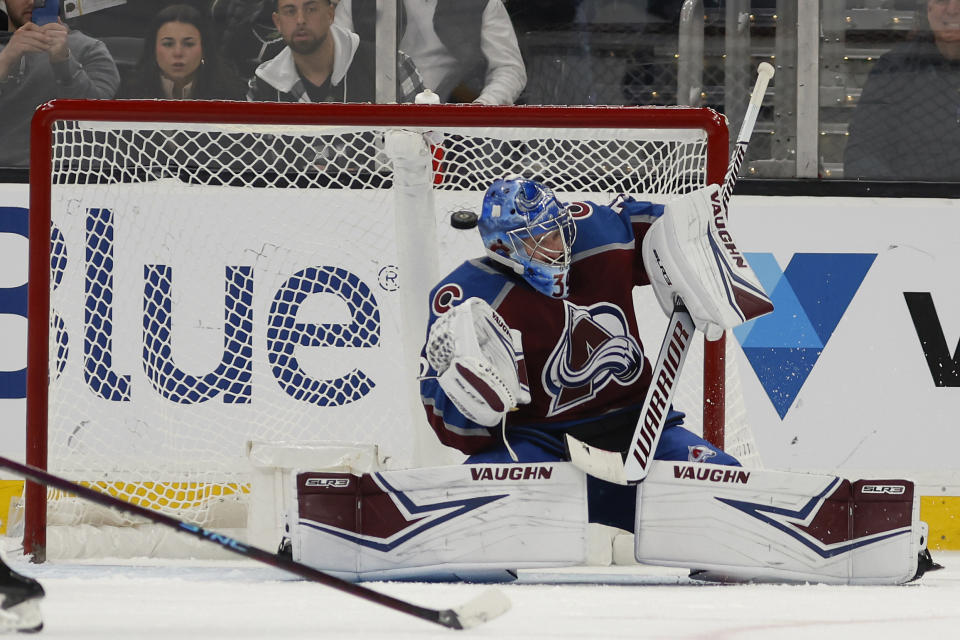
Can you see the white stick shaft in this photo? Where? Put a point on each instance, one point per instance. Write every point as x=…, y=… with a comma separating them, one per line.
x=673, y=351
x=764, y=72
x=656, y=406
x=680, y=330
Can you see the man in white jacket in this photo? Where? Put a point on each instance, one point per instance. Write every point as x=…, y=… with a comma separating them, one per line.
x=466, y=50
x=323, y=62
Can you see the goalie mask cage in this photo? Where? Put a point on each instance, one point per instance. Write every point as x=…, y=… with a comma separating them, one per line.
x=207, y=274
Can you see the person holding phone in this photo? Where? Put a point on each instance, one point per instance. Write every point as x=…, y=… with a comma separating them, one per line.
x=45, y=12
x=40, y=62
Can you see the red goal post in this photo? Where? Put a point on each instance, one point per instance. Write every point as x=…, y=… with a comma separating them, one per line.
x=165, y=185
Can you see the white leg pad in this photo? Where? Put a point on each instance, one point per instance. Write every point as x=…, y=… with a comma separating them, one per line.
x=773, y=526
x=464, y=522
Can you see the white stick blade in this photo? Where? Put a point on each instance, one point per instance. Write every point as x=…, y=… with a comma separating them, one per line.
x=599, y=463
x=488, y=605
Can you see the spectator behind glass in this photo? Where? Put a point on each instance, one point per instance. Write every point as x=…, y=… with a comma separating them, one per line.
x=323, y=62
x=907, y=123
x=38, y=64
x=466, y=49
x=249, y=36
x=180, y=60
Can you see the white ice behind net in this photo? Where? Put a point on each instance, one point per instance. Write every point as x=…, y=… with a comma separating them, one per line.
x=215, y=285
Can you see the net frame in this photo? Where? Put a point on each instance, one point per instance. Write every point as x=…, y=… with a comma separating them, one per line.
x=265, y=114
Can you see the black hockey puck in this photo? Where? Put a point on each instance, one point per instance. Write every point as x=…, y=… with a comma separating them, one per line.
x=463, y=219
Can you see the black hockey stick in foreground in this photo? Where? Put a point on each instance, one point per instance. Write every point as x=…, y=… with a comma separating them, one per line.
x=484, y=607
x=609, y=465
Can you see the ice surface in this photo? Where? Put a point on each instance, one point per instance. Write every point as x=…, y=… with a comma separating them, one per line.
x=239, y=600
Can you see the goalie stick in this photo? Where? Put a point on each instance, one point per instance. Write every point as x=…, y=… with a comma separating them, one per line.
x=487, y=606
x=610, y=465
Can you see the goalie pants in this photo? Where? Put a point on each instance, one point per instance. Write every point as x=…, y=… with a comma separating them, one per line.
x=610, y=504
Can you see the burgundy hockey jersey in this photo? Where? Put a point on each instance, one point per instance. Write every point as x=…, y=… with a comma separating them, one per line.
x=583, y=354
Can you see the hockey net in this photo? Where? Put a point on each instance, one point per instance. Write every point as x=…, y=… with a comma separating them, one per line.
x=207, y=275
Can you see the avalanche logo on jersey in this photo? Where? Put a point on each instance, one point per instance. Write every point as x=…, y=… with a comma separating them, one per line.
x=446, y=298
x=595, y=348
x=699, y=453
x=580, y=210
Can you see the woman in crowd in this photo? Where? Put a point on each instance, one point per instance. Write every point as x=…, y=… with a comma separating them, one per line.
x=180, y=60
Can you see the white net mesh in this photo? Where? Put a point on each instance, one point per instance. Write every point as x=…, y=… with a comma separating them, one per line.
x=219, y=284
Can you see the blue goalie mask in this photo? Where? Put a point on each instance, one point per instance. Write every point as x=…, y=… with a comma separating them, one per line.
x=526, y=228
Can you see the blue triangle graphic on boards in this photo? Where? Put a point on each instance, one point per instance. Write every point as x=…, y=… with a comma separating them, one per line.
x=810, y=297
x=782, y=372
x=825, y=283
x=765, y=266
x=771, y=330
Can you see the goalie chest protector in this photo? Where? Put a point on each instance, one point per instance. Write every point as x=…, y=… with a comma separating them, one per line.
x=583, y=354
